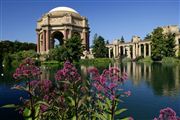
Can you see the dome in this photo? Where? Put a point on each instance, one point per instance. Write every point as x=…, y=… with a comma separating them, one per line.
x=63, y=9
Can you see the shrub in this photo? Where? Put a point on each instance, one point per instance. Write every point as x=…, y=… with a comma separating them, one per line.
x=146, y=59
x=170, y=60
x=125, y=59
x=99, y=62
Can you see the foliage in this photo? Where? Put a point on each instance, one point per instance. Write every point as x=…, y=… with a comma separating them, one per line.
x=170, y=60
x=169, y=45
x=100, y=62
x=148, y=36
x=122, y=40
x=146, y=59
x=72, y=50
x=19, y=56
x=7, y=60
x=16, y=46
x=162, y=44
x=99, y=48
x=125, y=59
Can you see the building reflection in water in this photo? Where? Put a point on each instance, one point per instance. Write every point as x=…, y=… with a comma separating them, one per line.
x=163, y=79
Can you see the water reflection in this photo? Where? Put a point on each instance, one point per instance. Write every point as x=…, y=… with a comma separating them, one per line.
x=163, y=80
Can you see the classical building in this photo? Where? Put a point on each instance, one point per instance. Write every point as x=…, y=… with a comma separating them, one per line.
x=138, y=47
x=60, y=24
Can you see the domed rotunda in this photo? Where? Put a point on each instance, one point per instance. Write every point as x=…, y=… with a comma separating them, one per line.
x=60, y=24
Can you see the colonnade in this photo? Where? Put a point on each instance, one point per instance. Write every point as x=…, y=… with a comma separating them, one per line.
x=130, y=50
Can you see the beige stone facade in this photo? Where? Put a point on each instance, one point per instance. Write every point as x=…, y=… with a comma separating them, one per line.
x=138, y=47
x=60, y=24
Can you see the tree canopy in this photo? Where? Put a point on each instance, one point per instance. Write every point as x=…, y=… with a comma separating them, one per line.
x=16, y=46
x=99, y=47
x=162, y=44
x=71, y=50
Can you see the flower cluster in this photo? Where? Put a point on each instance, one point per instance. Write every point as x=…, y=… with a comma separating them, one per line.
x=68, y=73
x=108, y=82
x=43, y=86
x=167, y=114
x=27, y=69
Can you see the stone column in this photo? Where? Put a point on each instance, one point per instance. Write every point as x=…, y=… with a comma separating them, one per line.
x=144, y=50
x=47, y=40
x=133, y=52
x=114, y=51
x=44, y=40
x=149, y=49
x=70, y=33
x=128, y=52
x=139, y=49
x=119, y=50
x=38, y=43
x=124, y=50
x=109, y=49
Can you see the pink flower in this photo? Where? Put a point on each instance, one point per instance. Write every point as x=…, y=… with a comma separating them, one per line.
x=130, y=118
x=167, y=114
x=27, y=69
x=128, y=93
x=46, y=97
x=43, y=108
x=112, y=85
x=112, y=97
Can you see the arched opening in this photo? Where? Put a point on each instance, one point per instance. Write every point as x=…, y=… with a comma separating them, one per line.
x=57, y=39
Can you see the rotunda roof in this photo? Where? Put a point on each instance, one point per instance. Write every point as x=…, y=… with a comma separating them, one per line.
x=62, y=9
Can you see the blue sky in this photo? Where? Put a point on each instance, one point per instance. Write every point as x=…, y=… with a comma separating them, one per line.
x=108, y=18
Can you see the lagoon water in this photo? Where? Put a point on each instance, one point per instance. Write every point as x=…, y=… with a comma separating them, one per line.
x=153, y=87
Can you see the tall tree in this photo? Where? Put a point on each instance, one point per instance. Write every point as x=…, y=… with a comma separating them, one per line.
x=99, y=47
x=122, y=40
x=162, y=44
x=169, y=43
x=72, y=50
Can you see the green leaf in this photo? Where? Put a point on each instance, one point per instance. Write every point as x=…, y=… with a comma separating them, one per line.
x=10, y=106
x=67, y=82
x=100, y=104
x=99, y=116
x=72, y=102
x=41, y=102
x=81, y=101
x=37, y=110
x=120, y=111
x=26, y=112
x=127, y=118
x=108, y=101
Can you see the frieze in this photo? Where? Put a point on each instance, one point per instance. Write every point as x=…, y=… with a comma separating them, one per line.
x=77, y=22
x=56, y=20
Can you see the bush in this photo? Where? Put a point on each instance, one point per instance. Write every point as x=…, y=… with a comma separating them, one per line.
x=124, y=60
x=19, y=56
x=146, y=59
x=99, y=62
x=170, y=60
x=15, y=63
